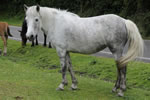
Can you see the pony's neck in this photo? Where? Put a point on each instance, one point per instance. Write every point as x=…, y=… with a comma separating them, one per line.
x=48, y=18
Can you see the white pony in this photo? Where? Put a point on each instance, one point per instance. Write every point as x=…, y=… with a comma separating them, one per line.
x=70, y=33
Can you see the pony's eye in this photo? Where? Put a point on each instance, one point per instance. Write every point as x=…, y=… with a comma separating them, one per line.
x=36, y=20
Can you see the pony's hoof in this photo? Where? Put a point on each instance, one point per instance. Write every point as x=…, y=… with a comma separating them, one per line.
x=60, y=89
x=49, y=46
x=73, y=87
x=114, y=90
x=32, y=45
x=120, y=94
x=5, y=54
x=44, y=45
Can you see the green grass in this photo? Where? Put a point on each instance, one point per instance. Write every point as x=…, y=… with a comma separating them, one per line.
x=11, y=20
x=33, y=73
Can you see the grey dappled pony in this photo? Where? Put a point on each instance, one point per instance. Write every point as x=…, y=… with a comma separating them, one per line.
x=70, y=33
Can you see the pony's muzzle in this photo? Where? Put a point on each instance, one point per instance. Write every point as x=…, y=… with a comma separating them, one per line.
x=30, y=38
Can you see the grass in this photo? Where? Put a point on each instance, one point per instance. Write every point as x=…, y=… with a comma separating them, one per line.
x=15, y=20
x=33, y=73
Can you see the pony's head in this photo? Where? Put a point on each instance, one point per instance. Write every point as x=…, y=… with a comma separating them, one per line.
x=33, y=19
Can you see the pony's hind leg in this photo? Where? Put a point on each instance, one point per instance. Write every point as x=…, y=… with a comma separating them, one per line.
x=121, y=76
x=62, y=56
x=74, y=80
x=5, y=45
x=117, y=84
x=123, y=80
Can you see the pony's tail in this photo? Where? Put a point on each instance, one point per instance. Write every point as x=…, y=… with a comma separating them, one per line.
x=8, y=31
x=136, y=44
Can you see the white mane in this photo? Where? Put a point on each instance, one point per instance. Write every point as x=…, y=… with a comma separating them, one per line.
x=32, y=11
x=69, y=13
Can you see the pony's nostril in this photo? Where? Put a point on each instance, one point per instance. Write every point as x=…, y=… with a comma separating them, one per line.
x=31, y=36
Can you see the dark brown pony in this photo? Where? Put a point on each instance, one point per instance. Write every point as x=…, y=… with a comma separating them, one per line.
x=4, y=33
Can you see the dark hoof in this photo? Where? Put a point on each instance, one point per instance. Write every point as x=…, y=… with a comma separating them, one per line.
x=44, y=45
x=23, y=46
x=74, y=89
x=49, y=46
x=5, y=54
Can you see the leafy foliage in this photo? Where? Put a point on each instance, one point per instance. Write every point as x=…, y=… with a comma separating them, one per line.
x=136, y=10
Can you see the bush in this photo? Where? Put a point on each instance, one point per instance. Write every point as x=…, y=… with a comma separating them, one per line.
x=136, y=10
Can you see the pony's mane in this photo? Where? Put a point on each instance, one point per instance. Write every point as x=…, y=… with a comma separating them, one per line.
x=47, y=11
x=67, y=12
x=64, y=12
x=32, y=10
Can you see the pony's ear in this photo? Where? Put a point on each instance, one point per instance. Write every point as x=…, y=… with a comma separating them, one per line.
x=37, y=8
x=25, y=7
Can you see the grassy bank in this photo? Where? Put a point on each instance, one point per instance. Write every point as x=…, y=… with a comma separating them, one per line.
x=15, y=20
x=34, y=74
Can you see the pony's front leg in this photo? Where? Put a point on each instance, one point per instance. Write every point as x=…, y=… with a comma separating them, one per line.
x=32, y=43
x=62, y=56
x=36, y=40
x=44, y=40
x=5, y=45
x=74, y=80
x=49, y=46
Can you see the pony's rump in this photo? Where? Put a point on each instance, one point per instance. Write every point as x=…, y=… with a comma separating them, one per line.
x=8, y=31
x=136, y=45
x=4, y=28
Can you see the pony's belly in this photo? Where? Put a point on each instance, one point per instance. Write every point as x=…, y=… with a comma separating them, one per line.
x=87, y=50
